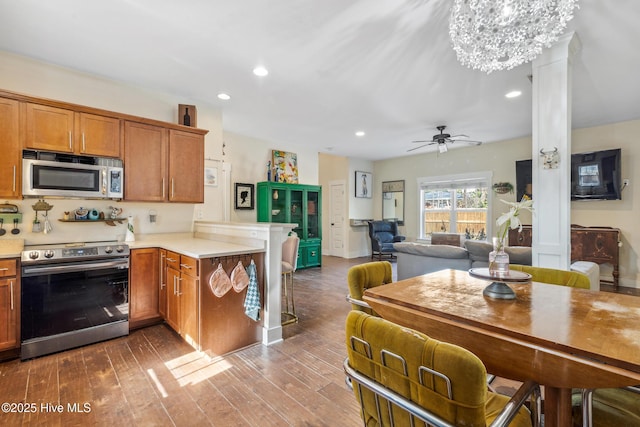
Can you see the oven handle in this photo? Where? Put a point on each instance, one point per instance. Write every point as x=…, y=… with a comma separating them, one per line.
x=36, y=270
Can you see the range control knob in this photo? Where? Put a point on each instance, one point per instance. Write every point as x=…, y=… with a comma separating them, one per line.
x=49, y=253
x=119, y=249
x=34, y=254
x=108, y=250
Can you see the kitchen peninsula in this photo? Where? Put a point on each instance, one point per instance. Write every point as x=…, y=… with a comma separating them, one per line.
x=170, y=275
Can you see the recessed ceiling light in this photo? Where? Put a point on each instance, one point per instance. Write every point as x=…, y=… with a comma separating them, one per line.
x=224, y=96
x=513, y=94
x=360, y=133
x=260, y=71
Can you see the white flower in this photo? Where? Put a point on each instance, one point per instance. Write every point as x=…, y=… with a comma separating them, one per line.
x=510, y=219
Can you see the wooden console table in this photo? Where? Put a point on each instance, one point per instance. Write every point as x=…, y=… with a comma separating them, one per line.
x=596, y=244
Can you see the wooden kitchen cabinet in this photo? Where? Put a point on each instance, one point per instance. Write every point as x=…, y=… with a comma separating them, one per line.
x=11, y=159
x=63, y=130
x=162, y=292
x=182, y=296
x=145, y=162
x=162, y=164
x=9, y=305
x=144, y=269
x=186, y=167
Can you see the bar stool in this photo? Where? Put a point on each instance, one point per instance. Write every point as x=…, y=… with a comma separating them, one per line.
x=289, y=265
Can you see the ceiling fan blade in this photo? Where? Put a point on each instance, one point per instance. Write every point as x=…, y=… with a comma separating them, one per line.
x=426, y=140
x=461, y=135
x=466, y=141
x=417, y=148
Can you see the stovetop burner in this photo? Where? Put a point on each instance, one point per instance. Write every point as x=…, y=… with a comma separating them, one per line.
x=66, y=252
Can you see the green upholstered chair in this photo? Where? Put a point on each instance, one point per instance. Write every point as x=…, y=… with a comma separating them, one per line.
x=364, y=276
x=436, y=382
x=607, y=407
x=572, y=279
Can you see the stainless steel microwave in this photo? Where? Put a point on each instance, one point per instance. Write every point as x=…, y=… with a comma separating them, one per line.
x=62, y=175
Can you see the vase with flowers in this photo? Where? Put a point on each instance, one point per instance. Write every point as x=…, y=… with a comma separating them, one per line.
x=498, y=258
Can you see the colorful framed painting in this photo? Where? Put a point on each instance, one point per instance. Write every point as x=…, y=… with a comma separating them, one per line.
x=364, y=183
x=244, y=196
x=285, y=166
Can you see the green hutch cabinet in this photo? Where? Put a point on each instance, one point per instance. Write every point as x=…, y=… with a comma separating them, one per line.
x=299, y=204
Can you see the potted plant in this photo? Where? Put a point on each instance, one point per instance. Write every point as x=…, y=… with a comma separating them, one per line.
x=502, y=187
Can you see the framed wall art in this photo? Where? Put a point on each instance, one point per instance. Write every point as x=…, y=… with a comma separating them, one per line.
x=364, y=185
x=244, y=196
x=285, y=166
x=211, y=177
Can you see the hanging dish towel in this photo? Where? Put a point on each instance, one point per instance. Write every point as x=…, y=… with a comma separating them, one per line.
x=252, y=300
x=219, y=282
x=239, y=278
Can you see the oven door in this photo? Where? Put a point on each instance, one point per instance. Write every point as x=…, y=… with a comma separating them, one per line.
x=72, y=304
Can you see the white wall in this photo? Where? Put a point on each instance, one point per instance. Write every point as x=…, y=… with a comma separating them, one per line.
x=245, y=157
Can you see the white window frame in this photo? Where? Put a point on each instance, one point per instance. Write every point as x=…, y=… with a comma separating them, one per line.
x=450, y=181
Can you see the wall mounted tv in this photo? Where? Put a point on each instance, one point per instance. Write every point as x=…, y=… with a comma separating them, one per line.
x=596, y=175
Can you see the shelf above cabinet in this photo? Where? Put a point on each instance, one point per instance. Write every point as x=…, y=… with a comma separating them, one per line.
x=108, y=221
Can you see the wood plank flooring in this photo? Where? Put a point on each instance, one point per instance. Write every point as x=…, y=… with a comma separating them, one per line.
x=153, y=378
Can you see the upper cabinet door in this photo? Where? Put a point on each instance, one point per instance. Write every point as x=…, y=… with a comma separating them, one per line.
x=145, y=162
x=11, y=158
x=49, y=128
x=97, y=135
x=186, y=167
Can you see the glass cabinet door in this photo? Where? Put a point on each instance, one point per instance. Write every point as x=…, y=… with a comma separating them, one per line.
x=278, y=205
x=296, y=211
x=313, y=223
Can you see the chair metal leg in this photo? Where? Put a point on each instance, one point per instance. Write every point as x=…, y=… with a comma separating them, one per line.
x=587, y=407
x=288, y=315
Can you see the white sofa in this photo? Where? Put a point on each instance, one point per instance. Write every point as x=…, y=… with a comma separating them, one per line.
x=415, y=259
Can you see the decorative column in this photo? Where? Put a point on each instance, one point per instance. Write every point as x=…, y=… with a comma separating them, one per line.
x=551, y=151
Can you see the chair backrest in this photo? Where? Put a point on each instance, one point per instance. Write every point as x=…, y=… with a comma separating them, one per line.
x=552, y=276
x=384, y=230
x=404, y=361
x=290, y=251
x=368, y=275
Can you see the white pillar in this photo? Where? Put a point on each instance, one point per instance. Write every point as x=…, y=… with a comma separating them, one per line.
x=552, y=70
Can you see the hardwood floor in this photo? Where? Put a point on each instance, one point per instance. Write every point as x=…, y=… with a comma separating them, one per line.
x=153, y=378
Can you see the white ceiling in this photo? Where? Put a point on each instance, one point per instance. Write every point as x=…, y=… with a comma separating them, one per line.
x=336, y=66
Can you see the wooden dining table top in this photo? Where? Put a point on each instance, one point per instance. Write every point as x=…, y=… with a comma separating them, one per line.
x=556, y=335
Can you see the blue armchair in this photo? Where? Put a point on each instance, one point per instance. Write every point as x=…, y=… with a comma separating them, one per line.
x=383, y=235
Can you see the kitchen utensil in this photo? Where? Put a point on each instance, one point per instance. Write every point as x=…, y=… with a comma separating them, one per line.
x=7, y=207
x=2, y=230
x=37, y=226
x=15, y=230
x=47, y=226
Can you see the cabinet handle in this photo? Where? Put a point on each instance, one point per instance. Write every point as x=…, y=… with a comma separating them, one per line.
x=179, y=279
x=186, y=266
x=70, y=141
x=4, y=269
x=11, y=291
x=172, y=189
x=175, y=292
x=171, y=259
x=162, y=284
x=14, y=178
x=163, y=188
x=83, y=144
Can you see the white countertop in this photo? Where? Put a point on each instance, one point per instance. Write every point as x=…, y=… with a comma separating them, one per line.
x=185, y=244
x=11, y=248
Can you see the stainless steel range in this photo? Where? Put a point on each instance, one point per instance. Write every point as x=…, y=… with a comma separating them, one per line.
x=72, y=295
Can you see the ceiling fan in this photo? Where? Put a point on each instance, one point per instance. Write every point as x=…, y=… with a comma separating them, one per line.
x=442, y=139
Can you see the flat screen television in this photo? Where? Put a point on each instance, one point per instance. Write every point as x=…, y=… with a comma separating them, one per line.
x=596, y=175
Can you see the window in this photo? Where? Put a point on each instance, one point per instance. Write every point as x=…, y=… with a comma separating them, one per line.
x=455, y=204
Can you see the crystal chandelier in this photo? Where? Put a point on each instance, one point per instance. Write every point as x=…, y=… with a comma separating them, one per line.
x=492, y=35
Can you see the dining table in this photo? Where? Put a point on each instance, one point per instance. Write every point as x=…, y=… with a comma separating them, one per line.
x=563, y=338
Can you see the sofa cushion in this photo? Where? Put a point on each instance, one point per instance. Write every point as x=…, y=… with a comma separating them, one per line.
x=479, y=251
x=436, y=251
